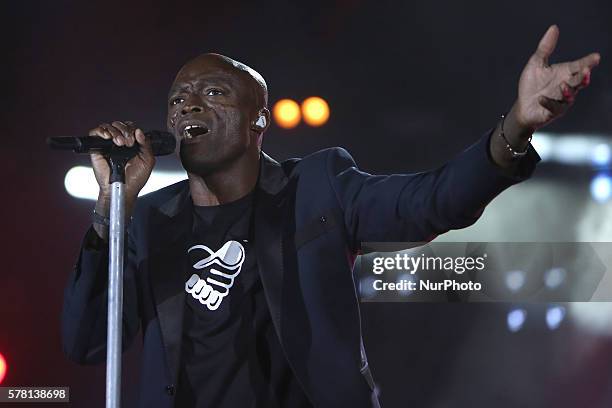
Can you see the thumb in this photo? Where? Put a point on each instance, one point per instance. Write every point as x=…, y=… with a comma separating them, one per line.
x=143, y=142
x=547, y=44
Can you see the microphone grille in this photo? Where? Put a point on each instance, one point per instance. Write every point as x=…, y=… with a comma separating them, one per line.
x=163, y=143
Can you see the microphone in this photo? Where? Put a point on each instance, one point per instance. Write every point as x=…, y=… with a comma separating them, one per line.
x=163, y=143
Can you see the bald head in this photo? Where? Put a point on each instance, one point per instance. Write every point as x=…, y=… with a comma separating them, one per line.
x=258, y=84
x=217, y=109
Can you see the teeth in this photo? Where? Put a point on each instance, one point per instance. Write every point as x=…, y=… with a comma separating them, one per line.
x=187, y=131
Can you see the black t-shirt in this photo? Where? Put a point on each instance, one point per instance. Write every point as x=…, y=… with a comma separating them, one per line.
x=231, y=356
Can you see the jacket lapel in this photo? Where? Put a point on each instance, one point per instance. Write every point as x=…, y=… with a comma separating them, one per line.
x=268, y=232
x=274, y=242
x=268, y=247
x=171, y=226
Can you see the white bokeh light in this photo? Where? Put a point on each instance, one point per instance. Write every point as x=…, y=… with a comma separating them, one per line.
x=80, y=182
x=601, y=154
x=601, y=188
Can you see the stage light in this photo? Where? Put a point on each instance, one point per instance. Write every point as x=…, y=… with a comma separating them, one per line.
x=315, y=111
x=544, y=145
x=554, y=277
x=601, y=154
x=80, y=182
x=286, y=113
x=576, y=149
x=516, y=319
x=3, y=368
x=515, y=280
x=554, y=317
x=601, y=188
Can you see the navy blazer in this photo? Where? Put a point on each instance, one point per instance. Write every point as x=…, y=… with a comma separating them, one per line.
x=310, y=217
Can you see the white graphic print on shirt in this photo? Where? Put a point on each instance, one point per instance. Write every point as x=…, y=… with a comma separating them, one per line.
x=211, y=291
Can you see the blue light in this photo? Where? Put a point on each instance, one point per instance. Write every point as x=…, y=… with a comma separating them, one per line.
x=516, y=319
x=554, y=317
x=601, y=188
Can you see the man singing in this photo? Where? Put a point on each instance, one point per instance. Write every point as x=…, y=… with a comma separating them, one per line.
x=240, y=276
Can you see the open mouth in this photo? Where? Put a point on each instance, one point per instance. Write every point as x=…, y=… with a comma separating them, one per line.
x=192, y=131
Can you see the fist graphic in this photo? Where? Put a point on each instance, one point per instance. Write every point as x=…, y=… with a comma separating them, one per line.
x=220, y=268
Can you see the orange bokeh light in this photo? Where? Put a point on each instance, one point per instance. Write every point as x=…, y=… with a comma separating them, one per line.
x=286, y=113
x=315, y=111
x=2, y=368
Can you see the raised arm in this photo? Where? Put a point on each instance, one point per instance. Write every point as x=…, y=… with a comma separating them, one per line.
x=418, y=207
x=545, y=93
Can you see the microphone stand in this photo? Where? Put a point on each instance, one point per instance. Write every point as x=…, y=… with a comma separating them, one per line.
x=117, y=159
x=163, y=143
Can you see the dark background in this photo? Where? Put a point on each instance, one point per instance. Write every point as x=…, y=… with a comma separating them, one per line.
x=409, y=84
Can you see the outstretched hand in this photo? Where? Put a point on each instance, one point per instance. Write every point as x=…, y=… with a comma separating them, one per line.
x=546, y=91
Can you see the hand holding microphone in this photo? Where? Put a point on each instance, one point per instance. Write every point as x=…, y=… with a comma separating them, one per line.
x=121, y=140
x=124, y=141
x=138, y=168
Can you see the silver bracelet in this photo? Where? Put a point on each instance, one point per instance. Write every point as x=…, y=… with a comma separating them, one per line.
x=515, y=154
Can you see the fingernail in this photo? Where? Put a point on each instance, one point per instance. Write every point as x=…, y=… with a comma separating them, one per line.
x=587, y=79
x=565, y=92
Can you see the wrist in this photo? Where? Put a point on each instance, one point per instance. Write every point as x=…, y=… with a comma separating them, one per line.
x=515, y=128
x=509, y=141
x=104, y=201
x=103, y=204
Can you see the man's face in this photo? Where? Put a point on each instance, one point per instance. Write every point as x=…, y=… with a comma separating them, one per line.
x=210, y=109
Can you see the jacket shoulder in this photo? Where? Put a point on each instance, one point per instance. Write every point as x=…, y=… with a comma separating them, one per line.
x=332, y=159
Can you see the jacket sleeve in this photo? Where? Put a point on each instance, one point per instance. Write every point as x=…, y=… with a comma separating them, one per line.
x=84, y=315
x=418, y=207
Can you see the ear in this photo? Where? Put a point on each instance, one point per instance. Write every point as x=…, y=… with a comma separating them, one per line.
x=262, y=121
